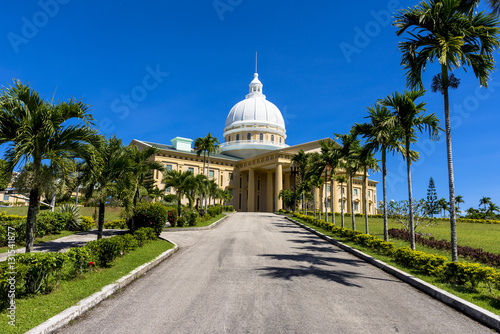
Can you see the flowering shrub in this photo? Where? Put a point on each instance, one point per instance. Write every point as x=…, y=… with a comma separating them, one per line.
x=87, y=223
x=172, y=215
x=79, y=256
x=118, y=223
x=152, y=215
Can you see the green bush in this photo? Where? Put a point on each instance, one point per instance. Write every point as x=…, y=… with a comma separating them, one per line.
x=144, y=235
x=152, y=215
x=80, y=257
x=228, y=208
x=127, y=242
x=5, y=217
x=73, y=224
x=181, y=222
x=214, y=210
x=52, y=222
x=104, y=250
x=18, y=227
x=35, y=269
x=428, y=264
x=191, y=216
x=87, y=223
x=116, y=224
x=472, y=273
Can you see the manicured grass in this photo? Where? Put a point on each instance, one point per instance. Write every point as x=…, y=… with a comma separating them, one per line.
x=481, y=296
x=201, y=224
x=45, y=238
x=32, y=311
x=110, y=213
x=485, y=236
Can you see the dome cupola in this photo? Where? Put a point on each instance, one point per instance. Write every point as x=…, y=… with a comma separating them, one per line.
x=254, y=125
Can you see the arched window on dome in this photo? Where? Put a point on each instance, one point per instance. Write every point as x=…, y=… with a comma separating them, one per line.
x=280, y=140
x=237, y=137
x=228, y=138
x=261, y=137
x=272, y=138
x=249, y=136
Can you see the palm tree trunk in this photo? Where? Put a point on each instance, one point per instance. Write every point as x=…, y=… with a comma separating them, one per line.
x=410, y=195
x=451, y=180
x=100, y=224
x=342, y=206
x=366, y=200
x=384, y=190
x=332, y=197
x=314, y=204
x=352, y=205
x=326, y=196
x=208, y=173
x=203, y=200
x=31, y=219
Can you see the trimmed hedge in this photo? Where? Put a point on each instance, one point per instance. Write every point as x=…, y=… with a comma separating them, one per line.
x=436, y=265
x=116, y=224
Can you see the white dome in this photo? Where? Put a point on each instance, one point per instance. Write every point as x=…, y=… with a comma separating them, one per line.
x=255, y=109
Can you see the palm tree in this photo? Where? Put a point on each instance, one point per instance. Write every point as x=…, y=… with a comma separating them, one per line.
x=182, y=182
x=200, y=189
x=452, y=33
x=301, y=160
x=107, y=165
x=492, y=207
x=211, y=147
x=458, y=200
x=38, y=131
x=484, y=201
x=380, y=137
x=367, y=161
x=317, y=183
x=406, y=120
x=349, y=153
x=443, y=205
x=330, y=152
x=341, y=179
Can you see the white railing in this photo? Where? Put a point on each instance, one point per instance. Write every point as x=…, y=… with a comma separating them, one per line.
x=259, y=142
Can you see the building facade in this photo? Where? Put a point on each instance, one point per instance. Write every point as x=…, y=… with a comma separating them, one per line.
x=254, y=163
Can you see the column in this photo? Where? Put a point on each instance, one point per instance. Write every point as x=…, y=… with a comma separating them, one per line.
x=287, y=181
x=279, y=186
x=269, y=195
x=251, y=191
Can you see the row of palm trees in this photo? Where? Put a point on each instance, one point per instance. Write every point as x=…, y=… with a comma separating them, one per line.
x=60, y=138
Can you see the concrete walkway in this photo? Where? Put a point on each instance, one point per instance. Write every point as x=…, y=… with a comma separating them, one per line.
x=260, y=273
x=65, y=243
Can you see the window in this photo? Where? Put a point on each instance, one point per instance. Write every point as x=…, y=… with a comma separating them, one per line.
x=6, y=197
x=228, y=138
x=261, y=137
x=237, y=137
x=191, y=169
x=241, y=182
x=272, y=138
x=221, y=180
x=230, y=176
x=369, y=193
x=249, y=136
x=342, y=190
x=258, y=185
x=342, y=204
x=239, y=201
x=370, y=207
x=168, y=189
x=355, y=191
x=169, y=167
x=258, y=203
x=157, y=174
x=211, y=173
x=280, y=140
x=328, y=188
x=356, y=206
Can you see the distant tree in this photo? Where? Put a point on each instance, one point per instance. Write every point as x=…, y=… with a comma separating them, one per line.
x=458, y=200
x=341, y=179
x=492, y=208
x=400, y=212
x=485, y=201
x=442, y=204
x=288, y=198
x=431, y=202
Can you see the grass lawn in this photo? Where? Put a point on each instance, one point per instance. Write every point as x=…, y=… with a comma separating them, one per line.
x=481, y=296
x=200, y=224
x=32, y=311
x=110, y=213
x=485, y=236
x=45, y=238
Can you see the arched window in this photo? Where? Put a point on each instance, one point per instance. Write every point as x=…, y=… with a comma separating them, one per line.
x=237, y=137
x=249, y=136
x=261, y=137
x=272, y=138
x=280, y=140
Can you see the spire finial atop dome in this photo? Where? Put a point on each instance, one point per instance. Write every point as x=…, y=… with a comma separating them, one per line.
x=255, y=87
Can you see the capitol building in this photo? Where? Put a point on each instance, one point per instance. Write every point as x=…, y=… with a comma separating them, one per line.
x=254, y=163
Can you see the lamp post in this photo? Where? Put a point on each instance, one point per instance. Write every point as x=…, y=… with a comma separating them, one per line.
x=295, y=171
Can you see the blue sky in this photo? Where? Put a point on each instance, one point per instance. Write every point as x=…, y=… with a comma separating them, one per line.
x=154, y=70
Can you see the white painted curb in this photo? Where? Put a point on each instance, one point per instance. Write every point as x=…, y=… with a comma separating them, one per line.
x=73, y=312
x=473, y=311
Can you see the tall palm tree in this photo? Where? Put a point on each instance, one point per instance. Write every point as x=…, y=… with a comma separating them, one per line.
x=211, y=146
x=182, y=182
x=492, y=207
x=330, y=161
x=367, y=162
x=408, y=118
x=349, y=153
x=301, y=160
x=450, y=32
x=484, y=201
x=106, y=166
x=458, y=200
x=341, y=179
x=38, y=132
x=380, y=137
x=443, y=205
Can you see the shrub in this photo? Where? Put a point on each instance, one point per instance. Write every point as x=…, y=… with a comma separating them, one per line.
x=172, y=215
x=36, y=268
x=80, y=256
x=425, y=263
x=18, y=227
x=206, y=217
x=152, y=215
x=229, y=208
x=87, y=223
x=73, y=224
x=472, y=273
x=191, y=216
x=127, y=242
x=144, y=235
x=104, y=250
x=52, y=222
x=5, y=217
x=181, y=222
x=116, y=224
